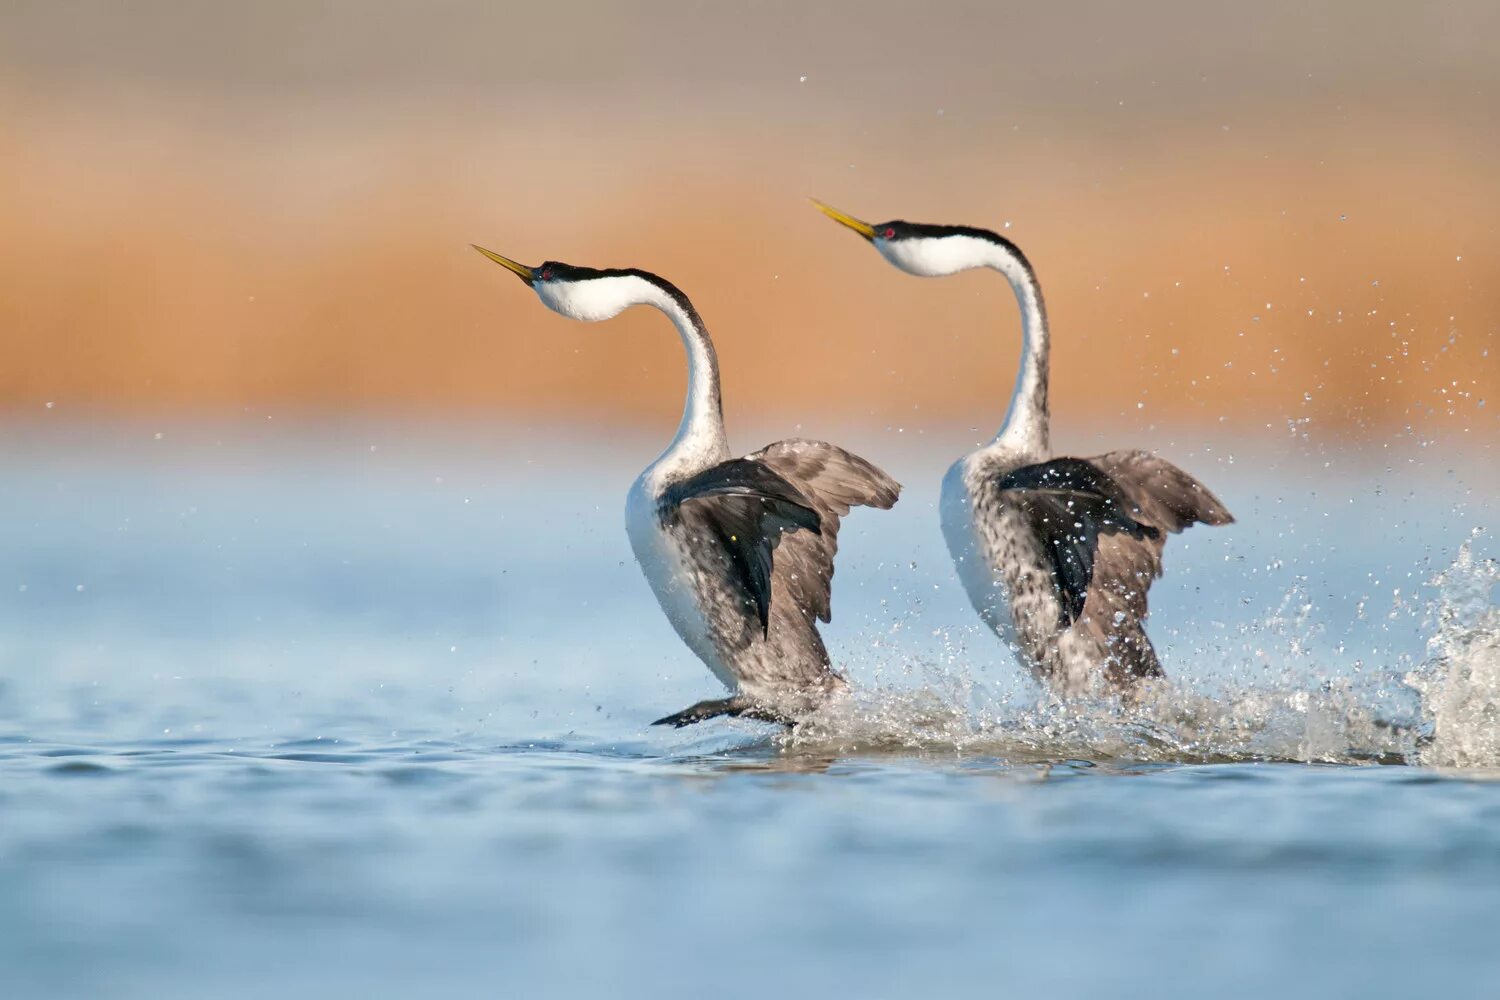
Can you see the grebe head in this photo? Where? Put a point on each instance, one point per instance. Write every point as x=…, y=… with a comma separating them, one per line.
x=925, y=250
x=587, y=293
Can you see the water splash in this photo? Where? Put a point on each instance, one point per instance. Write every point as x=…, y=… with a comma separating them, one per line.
x=1444, y=713
x=1459, y=683
x=1338, y=724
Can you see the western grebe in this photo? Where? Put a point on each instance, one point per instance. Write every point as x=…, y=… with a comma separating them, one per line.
x=1056, y=554
x=739, y=551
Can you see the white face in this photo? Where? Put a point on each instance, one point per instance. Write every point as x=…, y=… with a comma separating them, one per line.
x=594, y=299
x=936, y=256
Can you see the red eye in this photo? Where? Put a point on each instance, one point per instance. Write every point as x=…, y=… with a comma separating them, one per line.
x=546, y=274
x=889, y=233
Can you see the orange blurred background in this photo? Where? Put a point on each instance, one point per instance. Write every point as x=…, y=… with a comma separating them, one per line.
x=1247, y=216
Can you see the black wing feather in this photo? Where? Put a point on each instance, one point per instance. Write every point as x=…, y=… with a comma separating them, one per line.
x=833, y=480
x=743, y=508
x=1069, y=504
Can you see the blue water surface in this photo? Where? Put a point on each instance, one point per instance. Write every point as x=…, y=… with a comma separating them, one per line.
x=302, y=708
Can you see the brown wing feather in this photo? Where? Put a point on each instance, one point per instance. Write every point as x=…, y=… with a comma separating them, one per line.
x=833, y=480
x=1166, y=498
x=741, y=509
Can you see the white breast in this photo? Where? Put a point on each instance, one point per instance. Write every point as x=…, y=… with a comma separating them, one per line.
x=972, y=554
x=670, y=576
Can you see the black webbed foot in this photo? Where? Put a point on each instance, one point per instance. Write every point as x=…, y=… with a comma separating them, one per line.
x=737, y=706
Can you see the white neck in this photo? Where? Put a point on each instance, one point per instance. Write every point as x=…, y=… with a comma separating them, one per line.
x=1025, y=427
x=700, y=440
x=1026, y=422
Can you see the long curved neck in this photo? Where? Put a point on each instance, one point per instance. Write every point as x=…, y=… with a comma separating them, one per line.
x=700, y=440
x=1026, y=422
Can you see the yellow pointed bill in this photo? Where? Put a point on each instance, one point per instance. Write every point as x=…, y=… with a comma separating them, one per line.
x=521, y=270
x=862, y=228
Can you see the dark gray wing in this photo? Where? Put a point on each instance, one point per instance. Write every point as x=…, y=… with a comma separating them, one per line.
x=1070, y=504
x=742, y=508
x=1164, y=497
x=833, y=480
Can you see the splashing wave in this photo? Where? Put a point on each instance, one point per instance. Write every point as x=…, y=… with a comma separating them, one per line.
x=1459, y=683
x=1443, y=713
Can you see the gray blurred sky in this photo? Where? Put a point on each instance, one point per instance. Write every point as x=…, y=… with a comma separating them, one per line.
x=880, y=59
